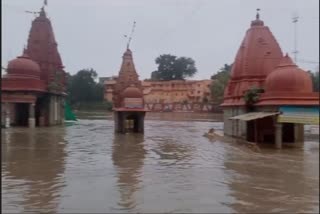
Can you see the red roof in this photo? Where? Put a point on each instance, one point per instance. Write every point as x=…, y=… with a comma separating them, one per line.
x=288, y=85
x=258, y=55
x=288, y=77
x=24, y=67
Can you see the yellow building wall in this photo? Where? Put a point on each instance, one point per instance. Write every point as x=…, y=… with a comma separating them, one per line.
x=170, y=91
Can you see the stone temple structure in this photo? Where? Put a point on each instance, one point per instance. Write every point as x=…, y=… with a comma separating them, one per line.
x=33, y=90
x=129, y=111
x=268, y=98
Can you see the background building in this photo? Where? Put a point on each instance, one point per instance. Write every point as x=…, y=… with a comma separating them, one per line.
x=168, y=91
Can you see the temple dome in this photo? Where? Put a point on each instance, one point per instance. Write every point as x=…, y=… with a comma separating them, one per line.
x=23, y=75
x=288, y=77
x=23, y=65
x=132, y=92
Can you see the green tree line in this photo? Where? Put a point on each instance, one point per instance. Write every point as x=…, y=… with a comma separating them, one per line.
x=171, y=67
x=84, y=91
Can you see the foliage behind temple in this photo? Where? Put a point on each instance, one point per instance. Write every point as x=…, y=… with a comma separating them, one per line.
x=172, y=68
x=84, y=91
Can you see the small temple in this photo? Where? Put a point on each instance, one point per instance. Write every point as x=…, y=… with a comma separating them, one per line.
x=128, y=102
x=34, y=88
x=268, y=98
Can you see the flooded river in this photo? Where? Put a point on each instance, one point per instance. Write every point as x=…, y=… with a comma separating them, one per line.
x=86, y=168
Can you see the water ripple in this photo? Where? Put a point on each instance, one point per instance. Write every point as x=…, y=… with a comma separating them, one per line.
x=87, y=168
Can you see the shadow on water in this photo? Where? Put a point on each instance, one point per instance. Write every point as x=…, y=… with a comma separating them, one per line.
x=34, y=161
x=128, y=156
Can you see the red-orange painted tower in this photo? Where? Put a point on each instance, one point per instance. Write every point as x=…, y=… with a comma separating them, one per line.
x=33, y=91
x=43, y=49
x=127, y=77
x=284, y=101
x=129, y=111
x=258, y=55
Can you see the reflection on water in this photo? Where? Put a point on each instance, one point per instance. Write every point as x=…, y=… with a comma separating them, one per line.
x=33, y=166
x=128, y=157
x=87, y=168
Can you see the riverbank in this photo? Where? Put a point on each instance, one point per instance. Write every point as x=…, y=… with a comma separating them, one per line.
x=167, y=116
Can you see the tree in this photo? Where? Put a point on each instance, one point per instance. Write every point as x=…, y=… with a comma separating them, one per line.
x=172, y=68
x=252, y=95
x=220, y=80
x=83, y=88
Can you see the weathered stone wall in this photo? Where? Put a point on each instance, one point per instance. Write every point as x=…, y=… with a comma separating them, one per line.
x=228, y=124
x=234, y=128
x=56, y=110
x=3, y=115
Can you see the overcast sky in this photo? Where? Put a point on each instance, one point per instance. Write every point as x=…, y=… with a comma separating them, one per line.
x=90, y=32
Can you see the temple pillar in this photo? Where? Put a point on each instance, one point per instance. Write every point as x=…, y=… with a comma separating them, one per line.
x=32, y=121
x=141, y=123
x=7, y=115
x=116, y=121
x=278, y=135
x=298, y=134
x=62, y=109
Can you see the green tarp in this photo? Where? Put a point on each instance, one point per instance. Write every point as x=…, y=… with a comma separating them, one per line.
x=68, y=114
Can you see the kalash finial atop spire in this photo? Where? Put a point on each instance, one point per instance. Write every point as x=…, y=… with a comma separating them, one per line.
x=42, y=11
x=257, y=22
x=258, y=15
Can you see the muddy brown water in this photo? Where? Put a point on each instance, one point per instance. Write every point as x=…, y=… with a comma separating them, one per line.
x=85, y=168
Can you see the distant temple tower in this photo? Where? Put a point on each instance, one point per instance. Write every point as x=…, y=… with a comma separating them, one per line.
x=129, y=111
x=33, y=90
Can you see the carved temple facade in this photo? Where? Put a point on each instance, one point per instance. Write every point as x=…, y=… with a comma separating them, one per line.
x=128, y=100
x=268, y=97
x=34, y=87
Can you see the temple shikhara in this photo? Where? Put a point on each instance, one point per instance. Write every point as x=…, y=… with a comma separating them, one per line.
x=33, y=90
x=129, y=111
x=268, y=97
